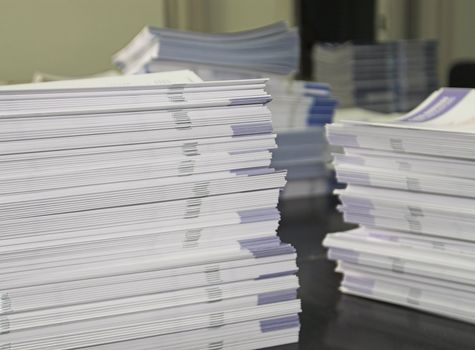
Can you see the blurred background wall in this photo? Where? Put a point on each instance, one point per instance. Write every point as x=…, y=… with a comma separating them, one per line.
x=78, y=37
x=68, y=37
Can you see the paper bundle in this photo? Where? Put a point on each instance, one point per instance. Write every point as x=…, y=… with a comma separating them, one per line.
x=411, y=187
x=299, y=109
x=140, y=212
x=272, y=49
x=386, y=77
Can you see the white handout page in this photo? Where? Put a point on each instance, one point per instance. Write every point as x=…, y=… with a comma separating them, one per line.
x=173, y=77
x=447, y=110
x=423, y=164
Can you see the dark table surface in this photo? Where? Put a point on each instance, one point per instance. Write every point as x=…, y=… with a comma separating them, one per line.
x=330, y=320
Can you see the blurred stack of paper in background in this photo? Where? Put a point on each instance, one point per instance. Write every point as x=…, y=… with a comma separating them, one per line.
x=273, y=49
x=299, y=109
x=411, y=188
x=386, y=77
x=140, y=212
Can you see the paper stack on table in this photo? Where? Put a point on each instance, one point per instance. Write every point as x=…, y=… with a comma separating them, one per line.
x=140, y=212
x=411, y=187
x=386, y=77
x=299, y=109
x=272, y=49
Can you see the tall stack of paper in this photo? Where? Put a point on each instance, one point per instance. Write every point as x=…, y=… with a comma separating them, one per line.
x=140, y=212
x=299, y=109
x=387, y=77
x=411, y=187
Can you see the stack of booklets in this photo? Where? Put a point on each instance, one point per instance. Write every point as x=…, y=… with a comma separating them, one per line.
x=411, y=187
x=273, y=49
x=386, y=77
x=299, y=109
x=140, y=213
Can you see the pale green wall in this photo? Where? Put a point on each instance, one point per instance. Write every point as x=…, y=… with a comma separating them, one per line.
x=68, y=37
x=232, y=15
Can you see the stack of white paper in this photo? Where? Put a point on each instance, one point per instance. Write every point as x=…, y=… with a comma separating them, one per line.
x=273, y=49
x=411, y=187
x=300, y=109
x=140, y=212
x=386, y=77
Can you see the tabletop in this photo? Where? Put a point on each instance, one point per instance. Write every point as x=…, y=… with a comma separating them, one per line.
x=332, y=321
